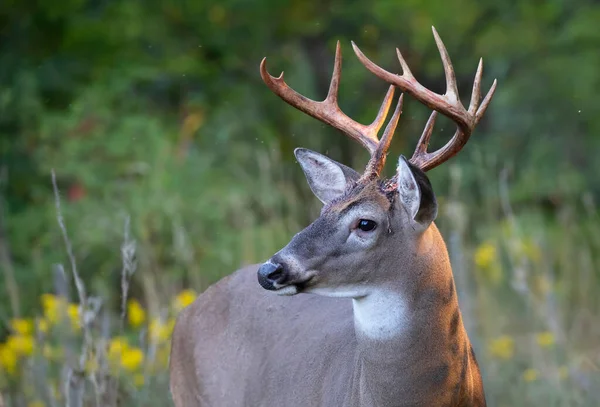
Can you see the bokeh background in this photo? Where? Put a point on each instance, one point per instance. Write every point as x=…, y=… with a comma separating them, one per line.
x=174, y=165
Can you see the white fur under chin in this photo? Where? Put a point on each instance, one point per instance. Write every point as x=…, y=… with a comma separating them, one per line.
x=336, y=292
x=380, y=314
x=287, y=290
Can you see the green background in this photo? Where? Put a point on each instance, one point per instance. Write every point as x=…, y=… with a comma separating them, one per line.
x=156, y=111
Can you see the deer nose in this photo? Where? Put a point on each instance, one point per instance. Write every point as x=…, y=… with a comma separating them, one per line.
x=270, y=274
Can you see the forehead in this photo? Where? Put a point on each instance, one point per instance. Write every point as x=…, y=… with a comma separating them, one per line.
x=360, y=194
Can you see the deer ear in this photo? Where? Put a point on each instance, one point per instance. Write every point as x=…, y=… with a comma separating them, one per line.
x=327, y=178
x=415, y=193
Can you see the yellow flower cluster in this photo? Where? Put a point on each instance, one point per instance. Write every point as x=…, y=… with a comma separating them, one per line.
x=502, y=347
x=185, y=298
x=136, y=316
x=18, y=345
x=486, y=260
x=21, y=326
x=531, y=375
x=485, y=255
x=121, y=354
x=8, y=359
x=545, y=339
x=56, y=311
x=160, y=332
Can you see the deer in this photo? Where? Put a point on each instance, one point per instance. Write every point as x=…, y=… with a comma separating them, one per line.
x=359, y=308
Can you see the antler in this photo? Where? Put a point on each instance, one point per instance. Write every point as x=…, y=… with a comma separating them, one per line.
x=328, y=111
x=448, y=104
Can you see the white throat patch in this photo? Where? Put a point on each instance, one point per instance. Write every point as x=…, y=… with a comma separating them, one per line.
x=380, y=315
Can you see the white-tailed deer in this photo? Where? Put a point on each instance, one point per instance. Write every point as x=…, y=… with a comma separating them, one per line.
x=384, y=328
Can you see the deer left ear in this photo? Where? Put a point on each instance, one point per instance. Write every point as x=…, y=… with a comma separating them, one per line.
x=415, y=193
x=327, y=178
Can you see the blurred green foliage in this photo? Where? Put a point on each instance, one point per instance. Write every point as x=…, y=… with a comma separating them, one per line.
x=156, y=111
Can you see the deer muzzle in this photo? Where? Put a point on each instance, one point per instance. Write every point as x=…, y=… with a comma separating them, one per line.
x=278, y=277
x=271, y=276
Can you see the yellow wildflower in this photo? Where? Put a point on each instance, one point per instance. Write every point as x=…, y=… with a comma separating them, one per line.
x=56, y=309
x=138, y=380
x=502, y=347
x=183, y=299
x=20, y=344
x=135, y=313
x=545, y=339
x=485, y=255
x=36, y=403
x=52, y=306
x=8, y=359
x=132, y=358
x=48, y=301
x=116, y=347
x=43, y=325
x=160, y=331
x=73, y=312
x=530, y=375
x=21, y=326
x=487, y=266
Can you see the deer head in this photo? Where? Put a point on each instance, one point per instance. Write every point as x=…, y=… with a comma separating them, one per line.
x=370, y=229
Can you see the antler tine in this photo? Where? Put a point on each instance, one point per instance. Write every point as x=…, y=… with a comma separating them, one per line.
x=476, y=94
x=448, y=104
x=328, y=110
x=377, y=161
x=486, y=102
x=425, y=136
x=451, y=86
x=334, y=86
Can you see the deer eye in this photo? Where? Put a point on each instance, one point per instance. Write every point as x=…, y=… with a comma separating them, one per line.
x=366, y=225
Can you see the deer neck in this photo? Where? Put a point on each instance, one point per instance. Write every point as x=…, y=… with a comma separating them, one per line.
x=404, y=332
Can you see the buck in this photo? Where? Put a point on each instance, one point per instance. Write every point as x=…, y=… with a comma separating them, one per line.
x=378, y=322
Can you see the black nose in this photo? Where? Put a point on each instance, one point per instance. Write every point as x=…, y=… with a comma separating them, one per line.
x=269, y=274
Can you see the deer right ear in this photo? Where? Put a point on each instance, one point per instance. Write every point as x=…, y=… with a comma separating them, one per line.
x=327, y=178
x=415, y=193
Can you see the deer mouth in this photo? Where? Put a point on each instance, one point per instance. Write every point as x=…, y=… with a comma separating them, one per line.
x=292, y=288
x=287, y=290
